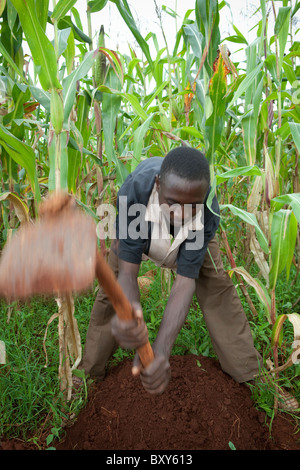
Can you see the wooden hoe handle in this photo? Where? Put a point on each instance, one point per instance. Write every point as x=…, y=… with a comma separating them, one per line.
x=120, y=302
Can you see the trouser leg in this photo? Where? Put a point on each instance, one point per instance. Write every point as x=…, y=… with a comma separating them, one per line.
x=100, y=343
x=225, y=318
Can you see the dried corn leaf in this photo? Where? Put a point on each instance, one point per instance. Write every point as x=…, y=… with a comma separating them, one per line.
x=255, y=195
x=20, y=207
x=69, y=343
x=259, y=256
x=263, y=220
x=289, y=363
x=294, y=318
x=55, y=315
x=2, y=353
x=66, y=308
x=259, y=289
x=64, y=371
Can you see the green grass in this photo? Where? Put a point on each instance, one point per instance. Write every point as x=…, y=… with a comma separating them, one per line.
x=31, y=404
x=31, y=400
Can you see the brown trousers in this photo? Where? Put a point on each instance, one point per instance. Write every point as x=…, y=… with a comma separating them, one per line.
x=224, y=316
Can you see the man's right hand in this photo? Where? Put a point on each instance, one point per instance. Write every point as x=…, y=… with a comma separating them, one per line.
x=130, y=334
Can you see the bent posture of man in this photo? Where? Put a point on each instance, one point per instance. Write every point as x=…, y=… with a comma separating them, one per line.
x=177, y=230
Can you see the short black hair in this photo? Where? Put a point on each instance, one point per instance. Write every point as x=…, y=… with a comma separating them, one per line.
x=187, y=163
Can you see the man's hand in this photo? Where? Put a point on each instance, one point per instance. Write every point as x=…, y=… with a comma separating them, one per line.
x=156, y=376
x=130, y=334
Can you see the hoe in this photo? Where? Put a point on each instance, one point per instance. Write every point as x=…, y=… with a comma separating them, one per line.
x=59, y=255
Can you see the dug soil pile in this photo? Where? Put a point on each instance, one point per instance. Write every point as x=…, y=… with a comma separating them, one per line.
x=202, y=409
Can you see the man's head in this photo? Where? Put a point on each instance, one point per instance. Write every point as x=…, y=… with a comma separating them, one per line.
x=183, y=182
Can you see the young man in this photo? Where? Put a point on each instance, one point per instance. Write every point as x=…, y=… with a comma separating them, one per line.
x=163, y=216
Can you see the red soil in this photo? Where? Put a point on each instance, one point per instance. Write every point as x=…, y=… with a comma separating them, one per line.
x=201, y=409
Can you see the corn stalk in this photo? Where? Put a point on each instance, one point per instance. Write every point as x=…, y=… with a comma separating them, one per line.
x=46, y=57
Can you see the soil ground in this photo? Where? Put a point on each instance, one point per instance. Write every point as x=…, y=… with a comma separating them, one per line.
x=201, y=409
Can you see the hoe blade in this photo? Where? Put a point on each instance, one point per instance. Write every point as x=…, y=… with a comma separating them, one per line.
x=55, y=255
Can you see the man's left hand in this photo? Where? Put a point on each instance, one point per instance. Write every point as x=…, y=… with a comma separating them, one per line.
x=156, y=376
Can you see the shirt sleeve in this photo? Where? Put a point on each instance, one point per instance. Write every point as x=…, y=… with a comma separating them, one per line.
x=131, y=229
x=193, y=250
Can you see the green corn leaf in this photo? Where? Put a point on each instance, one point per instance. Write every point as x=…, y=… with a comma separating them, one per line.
x=11, y=16
x=42, y=12
x=191, y=130
x=293, y=200
x=132, y=99
x=69, y=53
x=238, y=33
x=96, y=5
x=79, y=35
x=195, y=39
x=250, y=119
x=283, y=15
x=2, y=6
x=62, y=8
x=143, y=114
x=214, y=124
x=11, y=62
x=42, y=51
x=207, y=19
x=236, y=39
x=250, y=219
x=42, y=96
x=247, y=81
x=270, y=62
x=292, y=236
x=295, y=130
x=110, y=109
x=289, y=71
x=75, y=155
x=69, y=83
x=23, y=155
x=282, y=233
x=126, y=14
x=138, y=139
x=241, y=171
x=281, y=29
x=62, y=39
x=296, y=8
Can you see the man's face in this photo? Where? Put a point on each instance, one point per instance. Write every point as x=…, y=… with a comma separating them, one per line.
x=180, y=199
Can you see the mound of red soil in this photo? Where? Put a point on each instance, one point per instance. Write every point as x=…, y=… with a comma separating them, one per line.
x=202, y=409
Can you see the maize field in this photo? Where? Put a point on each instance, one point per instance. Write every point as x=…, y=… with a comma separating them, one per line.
x=78, y=115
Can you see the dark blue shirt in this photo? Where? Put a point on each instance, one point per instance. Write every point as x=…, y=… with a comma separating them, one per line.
x=137, y=188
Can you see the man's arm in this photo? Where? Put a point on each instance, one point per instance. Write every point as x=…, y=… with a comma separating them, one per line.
x=128, y=274
x=130, y=334
x=155, y=377
x=175, y=313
